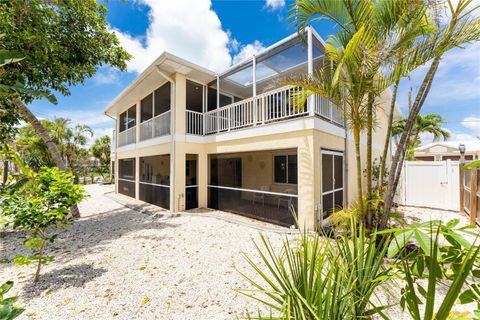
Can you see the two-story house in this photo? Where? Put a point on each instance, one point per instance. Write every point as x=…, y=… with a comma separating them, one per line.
x=187, y=137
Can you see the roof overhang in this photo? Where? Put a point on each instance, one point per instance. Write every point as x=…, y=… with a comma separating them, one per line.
x=150, y=80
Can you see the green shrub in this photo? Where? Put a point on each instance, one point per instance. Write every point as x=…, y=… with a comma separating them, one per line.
x=41, y=205
x=7, y=310
x=315, y=277
x=320, y=278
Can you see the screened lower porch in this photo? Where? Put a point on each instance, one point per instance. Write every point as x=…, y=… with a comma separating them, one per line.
x=260, y=185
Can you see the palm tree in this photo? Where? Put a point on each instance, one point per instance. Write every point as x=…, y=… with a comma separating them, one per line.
x=429, y=123
x=370, y=35
x=101, y=151
x=461, y=28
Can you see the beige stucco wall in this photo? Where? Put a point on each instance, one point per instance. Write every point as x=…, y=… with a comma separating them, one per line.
x=258, y=166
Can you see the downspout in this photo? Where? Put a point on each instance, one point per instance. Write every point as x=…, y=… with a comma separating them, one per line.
x=172, y=138
x=345, y=161
x=115, y=136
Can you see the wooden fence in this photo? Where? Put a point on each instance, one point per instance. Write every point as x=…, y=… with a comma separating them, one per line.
x=470, y=193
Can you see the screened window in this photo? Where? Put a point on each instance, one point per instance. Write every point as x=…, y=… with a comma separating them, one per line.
x=123, y=121
x=132, y=117
x=285, y=169
x=212, y=99
x=162, y=99
x=146, y=106
x=126, y=169
x=155, y=169
x=128, y=119
x=194, y=96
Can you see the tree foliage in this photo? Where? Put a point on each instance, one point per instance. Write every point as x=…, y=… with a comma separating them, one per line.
x=41, y=205
x=62, y=42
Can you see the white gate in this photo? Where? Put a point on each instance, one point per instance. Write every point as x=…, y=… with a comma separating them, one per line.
x=433, y=184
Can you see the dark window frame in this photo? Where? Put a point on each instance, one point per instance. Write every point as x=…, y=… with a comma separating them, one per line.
x=288, y=179
x=125, y=114
x=154, y=96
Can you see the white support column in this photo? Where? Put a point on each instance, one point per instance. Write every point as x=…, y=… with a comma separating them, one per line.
x=218, y=104
x=138, y=113
x=311, y=99
x=137, y=178
x=254, y=87
x=204, y=107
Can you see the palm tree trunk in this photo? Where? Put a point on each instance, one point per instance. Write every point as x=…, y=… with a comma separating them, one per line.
x=371, y=100
x=5, y=172
x=356, y=138
x=52, y=148
x=397, y=163
x=387, y=138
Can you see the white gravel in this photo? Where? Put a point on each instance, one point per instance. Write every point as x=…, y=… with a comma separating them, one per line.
x=117, y=263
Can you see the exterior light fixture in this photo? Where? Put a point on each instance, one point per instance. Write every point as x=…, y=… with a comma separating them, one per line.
x=461, y=148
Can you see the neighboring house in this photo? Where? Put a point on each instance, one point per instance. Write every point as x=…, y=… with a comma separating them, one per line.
x=445, y=150
x=188, y=137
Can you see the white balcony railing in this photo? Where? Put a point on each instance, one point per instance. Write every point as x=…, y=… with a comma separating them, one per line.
x=155, y=127
x=327, y=110
x=194, y=122
x=268, y=107
x=271, y=106
x=127, y=137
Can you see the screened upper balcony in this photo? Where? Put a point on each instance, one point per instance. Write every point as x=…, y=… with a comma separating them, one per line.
x=250, y=93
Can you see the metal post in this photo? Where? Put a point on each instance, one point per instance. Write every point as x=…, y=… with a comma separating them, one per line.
x=204, y=107
x=462, y=177
x=310, y=103
x=218, y=104
x=473, y=195
x=254, y=78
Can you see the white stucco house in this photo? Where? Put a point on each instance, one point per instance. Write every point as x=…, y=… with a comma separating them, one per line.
x=444, y=150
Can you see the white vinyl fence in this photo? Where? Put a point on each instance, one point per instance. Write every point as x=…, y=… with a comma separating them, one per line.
x=432, y=184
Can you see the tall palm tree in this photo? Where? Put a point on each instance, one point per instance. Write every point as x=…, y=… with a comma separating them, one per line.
x=429, y=123
x=461, y=28
x=370, y=34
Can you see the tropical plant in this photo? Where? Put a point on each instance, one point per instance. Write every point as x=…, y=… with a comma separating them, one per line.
x=339, y=278
x=7, y=310
x=76, y=36
x=41, y=205
x=461, y=28
x=101, y=151
x=370, y=35
x=445, y=258
x=429, y=123
x=319, y=278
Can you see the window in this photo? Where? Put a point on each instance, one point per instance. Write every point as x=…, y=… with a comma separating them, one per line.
x=194, y=96
x=162, y=99
x=128, y=118
x=285, y=169
x=126, y=169
x=212, y=99
x=155, y=169
x=146, y=106
x=155, y=103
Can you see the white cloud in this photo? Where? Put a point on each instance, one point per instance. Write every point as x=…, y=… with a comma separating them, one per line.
x=275, y=4
x=472, y=123
x=106, y=75
x=445, y=11
x=189, y=29
x=247, y=51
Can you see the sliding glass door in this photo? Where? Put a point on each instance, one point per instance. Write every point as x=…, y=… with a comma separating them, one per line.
x=332, y=182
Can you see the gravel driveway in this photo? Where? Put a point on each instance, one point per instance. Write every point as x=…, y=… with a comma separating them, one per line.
x=116, y=263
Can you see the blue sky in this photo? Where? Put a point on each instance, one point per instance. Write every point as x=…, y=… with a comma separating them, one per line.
x=215, y=34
